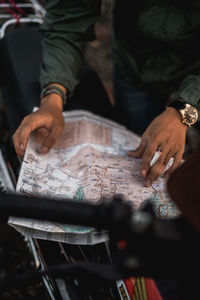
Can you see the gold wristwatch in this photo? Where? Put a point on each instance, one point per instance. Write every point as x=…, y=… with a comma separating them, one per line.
x=189, y=114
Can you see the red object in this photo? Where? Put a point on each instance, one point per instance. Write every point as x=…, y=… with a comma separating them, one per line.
x=152, y=290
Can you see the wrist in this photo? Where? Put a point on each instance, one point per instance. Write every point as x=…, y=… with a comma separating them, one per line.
x=54, y=89
x=52, y=101
x=174, y=113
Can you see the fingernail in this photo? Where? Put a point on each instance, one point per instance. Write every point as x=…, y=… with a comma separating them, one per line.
x=148, y=183
x=21, y=147
x=143, y=173
x=44, y=149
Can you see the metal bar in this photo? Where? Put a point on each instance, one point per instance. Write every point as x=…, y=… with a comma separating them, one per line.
x=38, y=9
x=7, y=16
x=2, y=5
x=14, y=21
x=38, y=6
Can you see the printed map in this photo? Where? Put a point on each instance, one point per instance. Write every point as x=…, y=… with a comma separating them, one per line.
x=88, y=163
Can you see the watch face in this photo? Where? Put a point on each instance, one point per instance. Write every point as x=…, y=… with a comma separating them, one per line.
x=190, y=115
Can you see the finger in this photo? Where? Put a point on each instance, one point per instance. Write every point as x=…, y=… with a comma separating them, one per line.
x=51, y=139
x=176, y=163
x=18, y=144
x=137, y=153
x=158, y=167
x=40, y=135
x=147, y=158
x=29, y=126
x=18, y=148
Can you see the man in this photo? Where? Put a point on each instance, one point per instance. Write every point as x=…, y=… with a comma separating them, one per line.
x=156, y=56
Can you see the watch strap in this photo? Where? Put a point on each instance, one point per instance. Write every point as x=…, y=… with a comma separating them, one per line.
x=177, y=104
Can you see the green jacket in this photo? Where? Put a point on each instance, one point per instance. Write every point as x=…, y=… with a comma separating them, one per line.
x=155, y=43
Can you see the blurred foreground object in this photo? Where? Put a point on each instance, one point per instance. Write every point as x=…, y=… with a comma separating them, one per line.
x=183, y=187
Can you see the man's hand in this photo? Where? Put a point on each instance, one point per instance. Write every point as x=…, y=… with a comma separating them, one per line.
x=167, y=134
x=47, y=124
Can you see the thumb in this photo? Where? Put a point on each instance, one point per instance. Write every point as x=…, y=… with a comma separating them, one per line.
x=51, y=139
x=137, y=153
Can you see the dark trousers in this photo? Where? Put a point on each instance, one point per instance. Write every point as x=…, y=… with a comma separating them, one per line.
x=136, y=107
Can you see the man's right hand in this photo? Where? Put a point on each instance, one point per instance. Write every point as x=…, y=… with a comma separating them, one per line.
x=47, y=123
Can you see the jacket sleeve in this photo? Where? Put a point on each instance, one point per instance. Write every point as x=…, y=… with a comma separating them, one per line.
x=68, y=25
x=189, y=91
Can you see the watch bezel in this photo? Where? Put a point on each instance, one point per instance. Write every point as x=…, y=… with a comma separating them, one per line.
x=183, y=112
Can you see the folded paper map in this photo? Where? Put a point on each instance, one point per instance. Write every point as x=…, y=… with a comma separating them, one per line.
x=89, y=162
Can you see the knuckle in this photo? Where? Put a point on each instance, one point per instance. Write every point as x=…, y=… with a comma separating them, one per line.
x=155, y=140
x=145, y=166
x=147, y=158
x=152, y=176
x=177, y=163
x=160, y=161
x=156, y=170
x=152, y=147
x=29, y=127
x=25, y=119
x=172, y=144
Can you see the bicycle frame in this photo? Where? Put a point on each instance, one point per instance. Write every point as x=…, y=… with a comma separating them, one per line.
x=36, y=16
